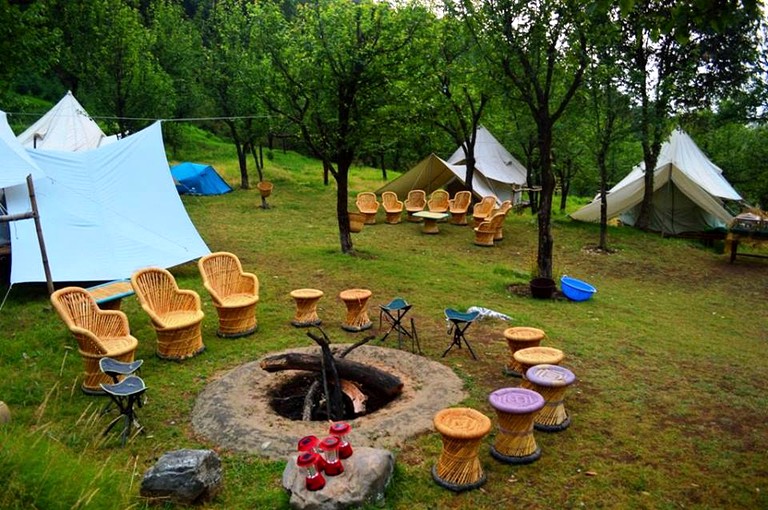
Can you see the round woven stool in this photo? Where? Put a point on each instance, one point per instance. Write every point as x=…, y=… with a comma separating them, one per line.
x=520, y=337
x=515, y=409
x=306, y=307
x=551, y=382
x=462, y=430
x=532, y=356
x=356, y=301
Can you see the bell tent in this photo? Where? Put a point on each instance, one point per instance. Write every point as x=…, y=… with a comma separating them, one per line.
x=497, y=172
x=104, y=213
x=198, y=179
x=65, y=127
x=689, y=192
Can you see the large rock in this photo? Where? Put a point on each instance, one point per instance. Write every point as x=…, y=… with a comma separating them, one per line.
x=184, y=476
x=366, y=475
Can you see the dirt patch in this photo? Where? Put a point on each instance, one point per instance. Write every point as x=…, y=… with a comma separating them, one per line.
x=234, y=412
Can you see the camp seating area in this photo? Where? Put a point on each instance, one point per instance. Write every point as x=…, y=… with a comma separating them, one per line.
x=488, y=215
x=234, y=293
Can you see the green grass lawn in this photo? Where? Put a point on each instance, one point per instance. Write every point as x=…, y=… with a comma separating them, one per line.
x=669, y=410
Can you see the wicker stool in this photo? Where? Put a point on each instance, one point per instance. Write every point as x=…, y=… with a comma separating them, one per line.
x=532, y=356
x=520, y=338
x=515, y=409
x=550, y=381
x=462, y=430
x=306, y=307
x=356, y=301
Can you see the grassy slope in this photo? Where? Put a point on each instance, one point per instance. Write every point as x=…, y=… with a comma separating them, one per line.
x=669, y=410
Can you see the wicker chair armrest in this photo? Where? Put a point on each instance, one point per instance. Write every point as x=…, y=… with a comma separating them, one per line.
x=248, y=283
x=186, y=299
x=93, y=341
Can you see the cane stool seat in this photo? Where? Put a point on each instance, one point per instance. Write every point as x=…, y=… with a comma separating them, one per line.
x=520, y=337
x=306, y=307
x=551, y=382
x=356, y=301
x=515, y=410
x=532, y=356
x=462, y=430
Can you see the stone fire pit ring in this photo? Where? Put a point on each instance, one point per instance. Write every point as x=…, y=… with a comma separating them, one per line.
x=233, y=411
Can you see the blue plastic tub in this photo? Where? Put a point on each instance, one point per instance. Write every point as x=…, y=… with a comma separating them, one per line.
x=576, y=290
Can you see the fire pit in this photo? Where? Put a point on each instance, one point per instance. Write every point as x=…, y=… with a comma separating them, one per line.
x=235, y=410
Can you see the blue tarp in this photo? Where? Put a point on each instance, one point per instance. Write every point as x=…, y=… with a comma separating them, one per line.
x=198, y=179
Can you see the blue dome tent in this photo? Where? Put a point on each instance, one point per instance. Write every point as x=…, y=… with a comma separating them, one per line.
x=198, y=179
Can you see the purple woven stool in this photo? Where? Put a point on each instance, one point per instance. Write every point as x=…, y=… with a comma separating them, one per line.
x=515, y=409
x=551, y=382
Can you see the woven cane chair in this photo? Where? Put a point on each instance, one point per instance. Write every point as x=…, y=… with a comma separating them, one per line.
x=175, y=313
x=439, y=201
x=99, y=333
x=234, y=293
x=462, y=430
x=504, y=208
x=486, y=232
x=367, y=204
x=415, y=202
x=393, y=207
x=458, y=207
x=482, y=210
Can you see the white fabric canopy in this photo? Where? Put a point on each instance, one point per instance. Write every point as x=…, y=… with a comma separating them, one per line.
x=496, y=172
x=15, y=163
x=688, y=191
x=65, y=127
x=104, y=213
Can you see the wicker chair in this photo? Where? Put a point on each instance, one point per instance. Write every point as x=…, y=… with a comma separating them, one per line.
x=175, y=313
x=392, y=206
x=99, y=333
x=234, y=293
x=504, y=208
x=438, y=201
x=483, y=209
x=486, y=231
x=459, y=205
x=367, y=204
x=415, y=202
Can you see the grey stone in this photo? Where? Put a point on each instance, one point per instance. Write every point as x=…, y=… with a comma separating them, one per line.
x=366, y=475
x=184, y=476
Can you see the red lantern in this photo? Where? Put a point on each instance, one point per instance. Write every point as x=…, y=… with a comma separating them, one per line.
x=314, y=480
x=312, y=444
x=330, y=448
x=340, y=430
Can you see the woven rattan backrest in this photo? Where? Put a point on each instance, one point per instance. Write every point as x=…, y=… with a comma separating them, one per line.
x=76, y=307
x=484, y=206
x=390, y=201
x=366, y=201
x=461, y=201
x=221, y=271
x=505, y=206
x=438, y=199
x=497, y=220
x=416, y=198
x=156, y=288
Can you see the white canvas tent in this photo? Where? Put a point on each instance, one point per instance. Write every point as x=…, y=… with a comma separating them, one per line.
x=497, y=172
x=104, y=212
x=65, y=127
x=689, y=192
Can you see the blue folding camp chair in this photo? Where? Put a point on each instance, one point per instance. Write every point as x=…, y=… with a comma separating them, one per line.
x=393, y=313
x=460, y=321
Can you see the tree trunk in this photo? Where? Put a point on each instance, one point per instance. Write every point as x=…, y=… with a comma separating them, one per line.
x=546, y=241
x=240, y=146
x=342, y=212
x=366, y=375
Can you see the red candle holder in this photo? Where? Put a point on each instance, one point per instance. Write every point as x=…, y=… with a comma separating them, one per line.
x=330, y=448
x=314, y=480
x=312, y=444
x=341, y=429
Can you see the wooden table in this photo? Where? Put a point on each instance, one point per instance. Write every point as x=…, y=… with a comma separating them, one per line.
x=733, y=239
x=356, y=301
x=430, y=221
x=109, y=295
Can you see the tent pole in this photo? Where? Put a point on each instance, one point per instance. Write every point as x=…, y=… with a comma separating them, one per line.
x=39, y=229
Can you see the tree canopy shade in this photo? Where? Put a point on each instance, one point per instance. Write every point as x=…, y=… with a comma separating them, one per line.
x=334, y=72
x=540, y=51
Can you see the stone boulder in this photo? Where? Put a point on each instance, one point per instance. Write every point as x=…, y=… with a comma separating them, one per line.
x=184, y=476
x=366, y=475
